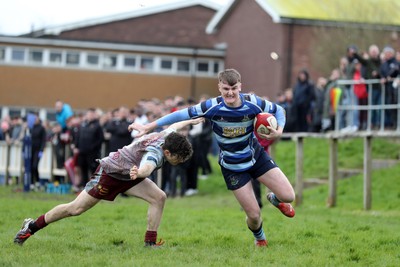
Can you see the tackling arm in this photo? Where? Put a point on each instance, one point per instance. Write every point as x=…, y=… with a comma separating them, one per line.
x=176, y=116
x=142, y=172
x=182, y=124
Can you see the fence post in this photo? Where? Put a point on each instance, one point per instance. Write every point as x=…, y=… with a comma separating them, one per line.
x=333, y=171
x=367, y=172
x=7, y=174
x=299, y=170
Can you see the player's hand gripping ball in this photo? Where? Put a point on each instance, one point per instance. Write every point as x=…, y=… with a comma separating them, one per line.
x=262, y=120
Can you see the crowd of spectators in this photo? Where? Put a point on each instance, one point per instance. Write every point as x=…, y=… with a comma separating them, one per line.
x=79, y=138
x=373, y=79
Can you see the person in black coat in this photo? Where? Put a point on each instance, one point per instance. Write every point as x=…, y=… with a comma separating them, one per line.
x=38, y=135
x=120, y=136
x=88, y=143
x=303, y=95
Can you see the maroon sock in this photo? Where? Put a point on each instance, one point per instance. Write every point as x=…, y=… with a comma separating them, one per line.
x=151, y=236
x=38, y=224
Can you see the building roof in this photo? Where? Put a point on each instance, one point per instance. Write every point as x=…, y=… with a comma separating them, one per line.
x=145, y=11
x=373, y=12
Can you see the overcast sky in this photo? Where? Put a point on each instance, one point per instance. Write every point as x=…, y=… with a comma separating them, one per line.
x=21, y=16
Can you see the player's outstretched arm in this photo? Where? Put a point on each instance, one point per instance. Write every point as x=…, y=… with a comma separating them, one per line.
x=182, y=124
x=171, y=118
x=142, y=129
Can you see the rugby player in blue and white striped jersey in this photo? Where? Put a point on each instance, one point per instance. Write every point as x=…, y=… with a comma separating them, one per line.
x=241, y=157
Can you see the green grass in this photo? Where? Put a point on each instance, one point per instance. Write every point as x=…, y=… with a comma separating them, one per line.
x=209, y=229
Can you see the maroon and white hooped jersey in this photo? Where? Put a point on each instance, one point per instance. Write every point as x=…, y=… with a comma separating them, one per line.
x=146, y=149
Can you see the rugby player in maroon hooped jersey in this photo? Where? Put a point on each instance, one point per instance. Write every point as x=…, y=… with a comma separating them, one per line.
x=125, y=171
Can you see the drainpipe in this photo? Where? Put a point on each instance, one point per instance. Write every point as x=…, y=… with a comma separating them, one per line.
x=193, y=76
x=289, y=62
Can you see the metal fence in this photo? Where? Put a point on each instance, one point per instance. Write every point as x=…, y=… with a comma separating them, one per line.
x=342, y=111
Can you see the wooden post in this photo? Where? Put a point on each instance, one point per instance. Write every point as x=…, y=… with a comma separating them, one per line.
x=367, y=172
x=333, y=171
x=299, y=170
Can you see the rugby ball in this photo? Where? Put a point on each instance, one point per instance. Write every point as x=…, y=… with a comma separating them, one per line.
x=262, y=120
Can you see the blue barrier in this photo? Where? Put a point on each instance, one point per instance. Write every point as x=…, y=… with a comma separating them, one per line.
x=61, y=189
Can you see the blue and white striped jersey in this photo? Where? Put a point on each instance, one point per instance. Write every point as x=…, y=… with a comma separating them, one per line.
x=233, y=127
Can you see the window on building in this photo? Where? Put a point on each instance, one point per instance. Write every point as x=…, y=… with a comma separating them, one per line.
x=202, y=66
x=183, y=65
x=14, y=113
x=2, y=53
x=55, y=57
x=166, y=64
x=35, y=56
x=147, y=63
x=216, y=67
x=18, y=54
x=51, y=115
x=31, y=111
x=110, y=61
x=129, y=62
x=92, y=60
x=72, y=58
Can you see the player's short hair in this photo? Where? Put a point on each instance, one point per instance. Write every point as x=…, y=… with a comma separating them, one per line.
x=229, y=76
x=178, y=145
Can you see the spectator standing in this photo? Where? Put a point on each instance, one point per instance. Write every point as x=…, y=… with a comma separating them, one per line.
x=16, y=131
x=38, y=136
x=88, y=145
x=350, y=118
x=71, y=164
x=205, y=143
x=3, y=130
x=333, y=95
x=15, y=135
x=317, y=105
x=193, y=169
x=64, y=114
x=389, y=71
x=118, y=129
x=371, y=70
x=360, y=90
x=303, y=95
x=343, y=63
x=287, y=103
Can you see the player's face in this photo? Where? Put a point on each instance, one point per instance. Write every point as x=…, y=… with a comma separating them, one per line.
x=230, y=94
x=173, y=159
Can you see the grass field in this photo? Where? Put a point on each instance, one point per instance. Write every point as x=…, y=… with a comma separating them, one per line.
x=209, y=229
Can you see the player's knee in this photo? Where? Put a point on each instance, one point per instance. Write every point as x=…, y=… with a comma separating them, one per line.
x=287, y=197
x=161, y=197
x=76, y=211
x=253, y=215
